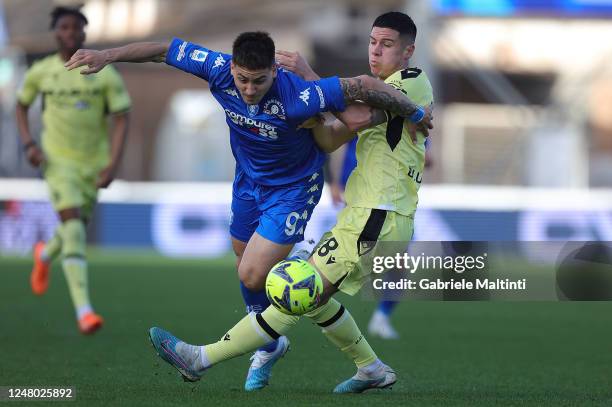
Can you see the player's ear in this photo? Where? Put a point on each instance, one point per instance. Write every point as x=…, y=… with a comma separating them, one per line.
x=274, y=71
x=408, y=51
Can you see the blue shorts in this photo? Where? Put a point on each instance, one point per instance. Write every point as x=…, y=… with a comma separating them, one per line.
x=278, y=213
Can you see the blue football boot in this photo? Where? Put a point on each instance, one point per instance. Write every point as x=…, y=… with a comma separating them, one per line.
x=383, y=378
x=261, y=365
x=183, y=357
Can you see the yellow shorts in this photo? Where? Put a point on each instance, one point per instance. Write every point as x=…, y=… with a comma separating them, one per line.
x=71, y=185
x=341, y=253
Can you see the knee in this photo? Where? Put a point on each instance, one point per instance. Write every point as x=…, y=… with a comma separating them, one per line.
x=251, y=277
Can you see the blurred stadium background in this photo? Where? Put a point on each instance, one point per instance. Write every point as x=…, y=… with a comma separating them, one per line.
x=522, y=150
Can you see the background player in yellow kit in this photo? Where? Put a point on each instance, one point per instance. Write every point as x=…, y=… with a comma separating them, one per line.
x=75, y=156
x=381, y=197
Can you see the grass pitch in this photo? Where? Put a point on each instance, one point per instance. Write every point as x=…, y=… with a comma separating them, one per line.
x=451, y=353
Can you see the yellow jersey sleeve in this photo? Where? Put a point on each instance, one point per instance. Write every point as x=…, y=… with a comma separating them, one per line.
x=117, y=96
x=414, y=83
x=31, y=86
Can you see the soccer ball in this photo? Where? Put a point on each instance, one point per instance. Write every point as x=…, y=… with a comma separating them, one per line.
x=294, y=287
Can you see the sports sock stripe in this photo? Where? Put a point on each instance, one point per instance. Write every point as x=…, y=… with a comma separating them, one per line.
x=264, y=325
x=334, y=318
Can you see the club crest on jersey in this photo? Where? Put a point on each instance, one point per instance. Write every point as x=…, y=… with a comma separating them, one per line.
x=253, y=109
x=274, y=108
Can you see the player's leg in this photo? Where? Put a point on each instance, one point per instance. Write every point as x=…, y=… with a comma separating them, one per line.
x=73, y=194
x=259, y=257
x=74, y=264
x=45, y=253
x=380, y=322
x=249, y=250
x=335, y=257
x=341, y=259
x=244, y=221
x=284, y=214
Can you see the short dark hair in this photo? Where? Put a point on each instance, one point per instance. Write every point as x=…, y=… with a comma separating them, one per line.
x=254, y=50
x=61, y=11
x=399, y=22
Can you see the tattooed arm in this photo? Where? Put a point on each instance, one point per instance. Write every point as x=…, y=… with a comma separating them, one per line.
x=378, y=94
x=362, y=88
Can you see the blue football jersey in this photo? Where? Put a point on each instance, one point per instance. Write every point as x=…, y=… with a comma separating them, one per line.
x=264, y=138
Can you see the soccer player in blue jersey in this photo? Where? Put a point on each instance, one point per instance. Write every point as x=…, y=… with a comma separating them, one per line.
x=278, y=178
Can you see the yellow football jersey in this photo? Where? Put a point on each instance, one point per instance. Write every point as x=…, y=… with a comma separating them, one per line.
x=75, y=107
x=390, y=166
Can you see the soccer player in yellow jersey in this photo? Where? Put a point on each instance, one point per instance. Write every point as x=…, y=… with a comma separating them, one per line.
x=75, y=157
x=381, y=197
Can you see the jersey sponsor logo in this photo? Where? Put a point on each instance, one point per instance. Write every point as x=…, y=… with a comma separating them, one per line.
x=305, y=95
x=232, y=92
x=198, y=55
x=181, y=53
x=274, y=107
x=220, y=61
x=256, y=126
x=321, y=97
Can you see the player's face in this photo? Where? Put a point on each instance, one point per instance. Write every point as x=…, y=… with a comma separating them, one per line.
x=387, y=52
x=69, y=33
x=253, y=85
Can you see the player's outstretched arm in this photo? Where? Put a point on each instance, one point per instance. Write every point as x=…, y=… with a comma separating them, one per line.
x=136, y=52
x=378, y=94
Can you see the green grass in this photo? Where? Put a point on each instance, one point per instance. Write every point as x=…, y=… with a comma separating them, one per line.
x=451, y=353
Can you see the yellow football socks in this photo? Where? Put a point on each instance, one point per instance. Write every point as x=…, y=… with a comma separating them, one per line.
x=340, y=328
x=256, y=330
x=252, y=332
x=75, y=265
x=53, y=246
